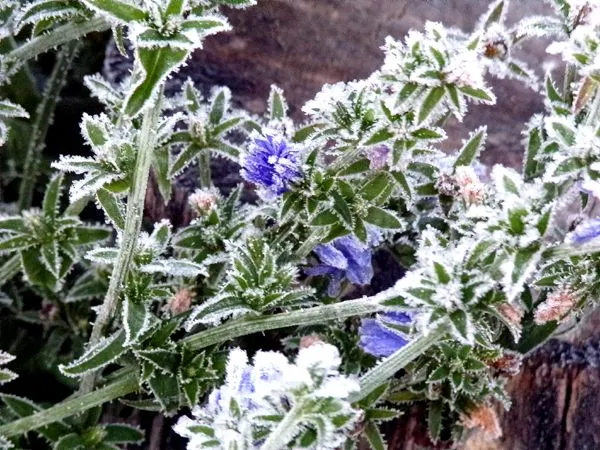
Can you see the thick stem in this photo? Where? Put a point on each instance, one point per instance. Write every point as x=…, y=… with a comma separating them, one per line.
x=56, y=37
x=71, y=406
x=242, y=327
x=43, y=118
x=396, y=361
x=204, y=169
x=285, y=431
x=133, y=224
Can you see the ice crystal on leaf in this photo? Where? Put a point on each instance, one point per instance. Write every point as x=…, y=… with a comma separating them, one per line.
x=256, y=397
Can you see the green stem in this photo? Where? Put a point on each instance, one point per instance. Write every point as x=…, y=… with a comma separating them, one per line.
x=396, y=361
x=58, y=36
x=71, y=406
x=133, y=225
x=285, y=431
x=204, y=168
x=9, y=269
x=242, y=327
x=43, y=118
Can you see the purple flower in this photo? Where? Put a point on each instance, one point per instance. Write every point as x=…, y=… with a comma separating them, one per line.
x=378, y=156
x=272, y=163
x=585, y=232
x=345, y=257
x=380, y=340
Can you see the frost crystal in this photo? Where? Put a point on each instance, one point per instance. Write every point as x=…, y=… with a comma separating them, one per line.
x=255, y=397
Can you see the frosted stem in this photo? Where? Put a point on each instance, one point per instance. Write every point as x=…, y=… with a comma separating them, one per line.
x=43, y=119
x=285, y=431
x=133, y=224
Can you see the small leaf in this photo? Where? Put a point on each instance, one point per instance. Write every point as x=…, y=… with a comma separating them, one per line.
x=117, y=433
x=431, y=101
x=157, y=64
x=219, y=105
x=51, y=200
x=136, y=320
x=434, y=419
x=382, y=218
x=112, y=207
x=277, y=105
x=471, y=148
x=102, y=354
x=374, y=437
x=125, y=12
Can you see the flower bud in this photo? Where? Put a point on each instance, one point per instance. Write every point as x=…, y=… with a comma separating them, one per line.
x=512, y=313
x=471, y=189
x=557, y=305
x=181, y=301
x=203, y=201
x=310, y=340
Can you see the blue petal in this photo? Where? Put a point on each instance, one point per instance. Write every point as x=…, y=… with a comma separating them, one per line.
x=331, y=256
x=586, y=231
x=378, y=340
x=396, y=318
x=360, y=270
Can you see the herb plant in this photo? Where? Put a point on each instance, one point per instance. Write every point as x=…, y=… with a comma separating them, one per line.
x=155, y=316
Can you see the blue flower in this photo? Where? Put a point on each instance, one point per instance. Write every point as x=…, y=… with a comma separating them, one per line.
x=380, y=340
x=272, y=164
x=585, y=232
x=345, y=257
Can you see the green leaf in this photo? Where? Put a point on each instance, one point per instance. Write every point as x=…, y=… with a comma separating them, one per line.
x=471, y=148
x=136, y=320
x=219, y=105
x=166, y=390
x=494, y=14
x=439, y=374
x=101, y=355
x=427, y=134
x=341, y=207
x=381, y=414
x=434, y=419
x=6, y=376
x=185, y=158
x=534, y=144
x=461, y=324
x=125, y=12
x=380, y=136
x=374, y=437
x=23, y=407
x=85, y=235
x=479, y=94
x=51, y=201
x=434, y=96
x=165, y=360
x=382, y=218
x=70, y=441
x=14, y=224
x=16, y=243
x=277, y=104
x=157, y=63
x=551, y=91
x=117, y=433
x=441, y=273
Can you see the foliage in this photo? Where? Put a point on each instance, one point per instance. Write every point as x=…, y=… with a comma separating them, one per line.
x=490, y=265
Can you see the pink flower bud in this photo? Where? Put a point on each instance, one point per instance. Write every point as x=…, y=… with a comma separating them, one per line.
x=558, y=304
x=471, y=189
x=203, y=201
x=181, y=301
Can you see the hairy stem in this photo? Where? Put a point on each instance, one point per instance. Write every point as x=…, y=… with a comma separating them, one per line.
x=126, y=382
x=285, y=431
x=56, y=37
x=133, y=224
x=204, y=169
x=396, y=361
x=242, y=327
x=43, y=118
x=125, y=385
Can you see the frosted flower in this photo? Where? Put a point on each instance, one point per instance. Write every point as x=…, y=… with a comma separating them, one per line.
x=466, y=70
x=483, y=417
x=557, y=305
x=203, y=201
x=344, y=258
x=381, y=340
x=272, y=163
x=470, y=188
x=378, y=156
x=269, y=387
x=181, y=301
x=585, y=232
